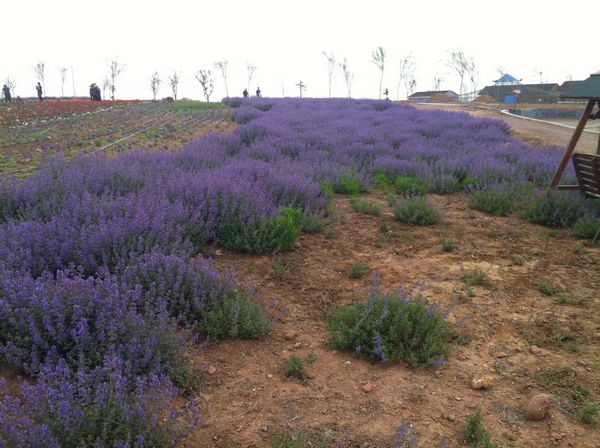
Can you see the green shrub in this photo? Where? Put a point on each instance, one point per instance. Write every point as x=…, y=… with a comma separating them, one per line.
x=357, y=270
x=405, y=185
x=365, y=207
x=586, y=227
x=476, y=277
x=260, y=237
x=416, y=211
x=294, y=366
x=383, y=182
x=449, y=245
x=547, y=288
x=390, y=328
x=348, y=183
x=186, y=380
x=306, y=223
x=557, y=209
x=281, y=270
x=476, y=435
x=237, y=317
x=588, y=412
x=409, y=186
x=384, y=228
x=468, y=181
x=498, y=203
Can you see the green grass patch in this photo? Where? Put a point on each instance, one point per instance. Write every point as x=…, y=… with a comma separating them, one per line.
x=358, y=270
x=476, y=277
x=365, y=207
x=475, y=434
x=547, y=288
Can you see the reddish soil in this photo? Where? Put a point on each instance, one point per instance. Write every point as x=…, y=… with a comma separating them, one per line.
x=528, y=342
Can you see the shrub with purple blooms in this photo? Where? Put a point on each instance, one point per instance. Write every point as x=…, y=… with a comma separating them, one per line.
x=100, y=408
x=196, y=294
x=390, y=328
x=557, y=208
x=82, y=321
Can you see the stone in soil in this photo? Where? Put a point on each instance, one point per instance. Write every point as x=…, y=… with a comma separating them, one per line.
x=211, y=370
x=483, y=382
x=290, y=335
x=368, y=387
x=538, y=408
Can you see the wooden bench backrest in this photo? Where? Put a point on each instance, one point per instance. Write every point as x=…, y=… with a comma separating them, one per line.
x=587, y=169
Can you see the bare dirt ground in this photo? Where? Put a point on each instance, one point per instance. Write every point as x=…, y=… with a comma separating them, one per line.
x=528, y=342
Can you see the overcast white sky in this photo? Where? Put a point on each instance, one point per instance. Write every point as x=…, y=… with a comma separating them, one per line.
x=285, y=40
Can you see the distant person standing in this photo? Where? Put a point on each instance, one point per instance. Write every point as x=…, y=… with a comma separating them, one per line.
x=245, y=93
x=6, y=93
x=38, y=87
x=95, y=92
x=258, y=92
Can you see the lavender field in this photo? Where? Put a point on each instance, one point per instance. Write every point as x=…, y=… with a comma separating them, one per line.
x=105, y=285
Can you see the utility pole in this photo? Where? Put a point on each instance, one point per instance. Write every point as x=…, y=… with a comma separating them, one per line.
x=301, y=87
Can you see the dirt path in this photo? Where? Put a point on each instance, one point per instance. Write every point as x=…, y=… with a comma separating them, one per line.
x=529, y=343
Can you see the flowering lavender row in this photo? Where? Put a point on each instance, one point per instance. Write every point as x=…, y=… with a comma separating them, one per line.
x=96, y=253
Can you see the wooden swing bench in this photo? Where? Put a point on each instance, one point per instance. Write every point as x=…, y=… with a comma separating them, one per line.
x=587, y=166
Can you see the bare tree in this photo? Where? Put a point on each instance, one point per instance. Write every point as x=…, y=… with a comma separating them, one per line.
x=174, y=79
x=73, y=82
x=411, y=85
x=407, y=70
x=251, y=68
x=105, y=85
x=301, y=87
x=330, y=66
x=155, y=84
x=348, y=76
x=460, y=63
x=539, y=72
x=437, y=81
x=473, y=74
x=222, y=66
x=63, y=77
x=11, y=84
x=378, y=58
x=114, y=70
x=40, y=74
x=205, y=79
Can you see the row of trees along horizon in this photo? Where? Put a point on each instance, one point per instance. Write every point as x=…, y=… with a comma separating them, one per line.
x=462, y=64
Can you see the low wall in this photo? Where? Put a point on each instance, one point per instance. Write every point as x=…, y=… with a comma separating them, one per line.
x=546, y=114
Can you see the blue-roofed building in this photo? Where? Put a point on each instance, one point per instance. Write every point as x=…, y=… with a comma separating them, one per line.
x=507, y=80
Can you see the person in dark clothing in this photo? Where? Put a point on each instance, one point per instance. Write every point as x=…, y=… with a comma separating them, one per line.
x=95, y=92
x=258, y=93
x=38, y=87
x=245, y=93
x=6, y=93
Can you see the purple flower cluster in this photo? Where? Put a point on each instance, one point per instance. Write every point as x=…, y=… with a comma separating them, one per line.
x=101, y=408
x=81, y=321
